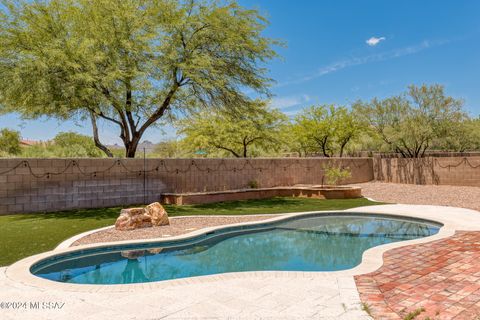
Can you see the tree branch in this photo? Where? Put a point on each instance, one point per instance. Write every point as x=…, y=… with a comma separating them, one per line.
x=161, y=110
x=96, y=139
x=254, y=139
x=125, y=132
x=227, y=149
x=128, y=109
x=102, y=115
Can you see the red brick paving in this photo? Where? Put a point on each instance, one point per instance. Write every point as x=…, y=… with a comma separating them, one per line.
x=442, y=276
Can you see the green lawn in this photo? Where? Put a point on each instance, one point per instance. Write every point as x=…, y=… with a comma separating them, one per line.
x=27, y=234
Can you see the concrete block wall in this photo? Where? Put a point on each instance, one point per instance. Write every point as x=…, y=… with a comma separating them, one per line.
x=457, y=171
x=38, y=185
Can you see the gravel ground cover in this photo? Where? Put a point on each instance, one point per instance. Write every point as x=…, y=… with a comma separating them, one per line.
x=178, y=225
x=454, y=196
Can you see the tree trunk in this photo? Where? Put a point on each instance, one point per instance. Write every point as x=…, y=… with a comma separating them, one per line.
x=131, y=146
x=245, y=144
x=342, y=146
x=324, y=147
x=131, y=132
x=96, y=139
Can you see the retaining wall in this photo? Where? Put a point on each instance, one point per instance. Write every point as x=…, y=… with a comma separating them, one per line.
x=37, y=185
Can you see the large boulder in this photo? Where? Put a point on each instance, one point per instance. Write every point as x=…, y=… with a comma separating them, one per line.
x=157, y=214
x=133, y=218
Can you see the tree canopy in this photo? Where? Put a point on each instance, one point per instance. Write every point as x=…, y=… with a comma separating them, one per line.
x=235, y=134
x=411, y=123
x=462, y=136
x=171, y=149
x=327, y=129
x=130, y=63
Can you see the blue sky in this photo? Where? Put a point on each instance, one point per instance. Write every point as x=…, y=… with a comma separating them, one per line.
x=328, y=59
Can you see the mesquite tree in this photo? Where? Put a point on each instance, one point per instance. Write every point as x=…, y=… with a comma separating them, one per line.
x=236, y=135
x=411, y=123
x=326, y=129
x=130, y=63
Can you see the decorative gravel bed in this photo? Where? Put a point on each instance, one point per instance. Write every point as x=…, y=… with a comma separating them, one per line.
x=454, y=196
x=178, y=225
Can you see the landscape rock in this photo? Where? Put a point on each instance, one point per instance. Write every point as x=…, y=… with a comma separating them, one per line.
x=133, y=218
x=157, y=214
x=132, y=254
x=155, y=250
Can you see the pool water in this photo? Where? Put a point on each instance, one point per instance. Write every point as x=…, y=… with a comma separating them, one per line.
x=318, y=243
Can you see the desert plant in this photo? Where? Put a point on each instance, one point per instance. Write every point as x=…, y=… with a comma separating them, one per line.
x=411, y=123
x=9, y=142
x=334, y=175
x=253, y=184
x=131, y=64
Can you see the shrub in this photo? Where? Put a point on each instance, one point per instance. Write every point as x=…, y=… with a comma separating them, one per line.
x=9, y=142
x=253, y=184
x=336, y=174
x=65, y=145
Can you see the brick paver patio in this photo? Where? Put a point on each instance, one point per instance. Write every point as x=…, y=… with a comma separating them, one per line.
x=442, y=277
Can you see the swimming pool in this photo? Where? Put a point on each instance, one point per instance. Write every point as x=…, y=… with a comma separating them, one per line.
x=319, y=242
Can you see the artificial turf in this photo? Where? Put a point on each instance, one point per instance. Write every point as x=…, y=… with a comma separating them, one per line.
x=23, y=235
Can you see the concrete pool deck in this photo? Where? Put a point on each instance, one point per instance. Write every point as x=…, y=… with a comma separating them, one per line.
x=246, y=295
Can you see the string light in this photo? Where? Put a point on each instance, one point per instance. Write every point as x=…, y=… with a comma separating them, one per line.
x=162, y=167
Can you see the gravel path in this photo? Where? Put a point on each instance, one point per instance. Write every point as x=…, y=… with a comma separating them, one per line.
x=177, y=226
x=454, y=196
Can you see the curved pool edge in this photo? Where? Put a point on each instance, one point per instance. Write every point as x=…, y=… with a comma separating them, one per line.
x=453, y=219
x=67, y=243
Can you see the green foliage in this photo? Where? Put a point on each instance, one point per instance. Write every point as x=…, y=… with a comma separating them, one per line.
x=296, y=140
x=64, y=145
x=130, y=63
x=412, y=122
x=76, y=145
x=171, y=149
x=253, y=184
x=9, y=142
x=328, y=129
x=460, y=136
x=239, y=134
x=414, y=314
x=336, y=174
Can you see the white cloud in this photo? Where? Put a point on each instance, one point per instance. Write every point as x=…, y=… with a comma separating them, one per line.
x=289, y=101
x=355, y=61
x=373, y=41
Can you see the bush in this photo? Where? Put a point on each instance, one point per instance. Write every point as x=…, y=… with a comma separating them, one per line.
x=9, y=142
x=335, y=174
x=253, y=184
x=65, y=145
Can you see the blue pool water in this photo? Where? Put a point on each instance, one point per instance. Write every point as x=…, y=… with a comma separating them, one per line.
x=313, y=243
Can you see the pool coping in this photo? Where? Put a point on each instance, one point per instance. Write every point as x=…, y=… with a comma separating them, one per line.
x=453, y=219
